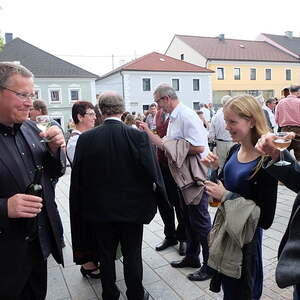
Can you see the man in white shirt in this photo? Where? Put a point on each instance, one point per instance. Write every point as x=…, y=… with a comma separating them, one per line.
x=207, y=113
x=185, y=124
x=219, y=134
x=270, y=108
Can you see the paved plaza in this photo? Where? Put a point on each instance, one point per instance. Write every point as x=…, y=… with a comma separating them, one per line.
x=161, y=280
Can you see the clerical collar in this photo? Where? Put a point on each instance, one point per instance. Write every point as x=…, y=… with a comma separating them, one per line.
x=10, y=130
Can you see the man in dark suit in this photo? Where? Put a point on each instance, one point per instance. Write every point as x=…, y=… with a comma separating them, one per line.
x=24, y=249
x=288, y=251
x=114, y=185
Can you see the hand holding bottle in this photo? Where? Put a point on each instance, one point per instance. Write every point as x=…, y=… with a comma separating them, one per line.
x=24, y=206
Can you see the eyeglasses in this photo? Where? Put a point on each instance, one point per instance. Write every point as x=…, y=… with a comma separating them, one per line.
x=161, y=98
x=91, y=114
x=22, y=96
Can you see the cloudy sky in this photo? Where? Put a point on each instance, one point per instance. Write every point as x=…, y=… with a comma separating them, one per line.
x=88, y=33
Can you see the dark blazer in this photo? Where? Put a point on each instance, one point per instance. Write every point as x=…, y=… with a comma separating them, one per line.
x=112, y=177
x=290, y=176
x=14, y=179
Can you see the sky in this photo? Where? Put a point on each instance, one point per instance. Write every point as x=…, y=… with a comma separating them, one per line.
x=101, y=35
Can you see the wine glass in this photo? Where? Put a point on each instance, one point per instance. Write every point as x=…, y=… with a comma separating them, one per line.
x=281, y=143
x=43, y=122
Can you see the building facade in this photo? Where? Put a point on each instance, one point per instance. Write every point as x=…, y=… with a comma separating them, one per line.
x=137, y=80
x=253, y=67
x=57, y=82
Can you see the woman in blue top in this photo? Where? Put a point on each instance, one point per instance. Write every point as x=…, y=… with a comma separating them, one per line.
x=243, y=174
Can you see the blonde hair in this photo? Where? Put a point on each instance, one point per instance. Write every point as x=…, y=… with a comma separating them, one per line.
x=248, y=107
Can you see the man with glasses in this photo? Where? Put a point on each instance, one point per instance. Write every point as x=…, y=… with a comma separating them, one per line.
x=25, y=246
x=185, y=124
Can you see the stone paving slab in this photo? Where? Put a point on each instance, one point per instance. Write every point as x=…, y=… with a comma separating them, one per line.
x=161, y=280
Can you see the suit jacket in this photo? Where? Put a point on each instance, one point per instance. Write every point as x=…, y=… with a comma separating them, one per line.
x=113, y=175
x=287, y=272
x=14, y=179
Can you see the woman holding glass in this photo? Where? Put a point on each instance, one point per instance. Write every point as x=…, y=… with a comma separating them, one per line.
x=243, y=174
x=84, y=117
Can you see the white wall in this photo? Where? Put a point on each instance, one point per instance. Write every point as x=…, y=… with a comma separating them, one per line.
x=134, y=88
x=135, y=97
x=110, y=83
x=178, y=47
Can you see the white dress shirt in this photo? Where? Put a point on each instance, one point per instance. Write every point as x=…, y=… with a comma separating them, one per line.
x=206, y=113
x=71, y=145
x=217, y=127
x=185, y=124
x=271, y=117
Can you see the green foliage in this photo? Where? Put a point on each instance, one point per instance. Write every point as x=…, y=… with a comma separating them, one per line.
x=1, y=43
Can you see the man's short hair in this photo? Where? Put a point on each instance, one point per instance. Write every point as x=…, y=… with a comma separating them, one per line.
x=153, y=105
x=8, y=69
x=40, y=105
x=270, y=101
x=80, y=108
x=294, y=88
x=165, y=90
x=110, y=103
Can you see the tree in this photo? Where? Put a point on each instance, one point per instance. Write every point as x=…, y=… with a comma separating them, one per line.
x=1, y=43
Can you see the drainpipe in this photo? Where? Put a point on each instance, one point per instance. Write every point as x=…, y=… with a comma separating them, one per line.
x=123, y=90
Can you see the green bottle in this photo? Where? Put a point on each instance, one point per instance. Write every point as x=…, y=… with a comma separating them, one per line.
x=36, y=189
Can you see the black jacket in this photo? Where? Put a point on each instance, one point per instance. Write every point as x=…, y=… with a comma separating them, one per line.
x=113, y=172
x=290, y=176
x=14, y=179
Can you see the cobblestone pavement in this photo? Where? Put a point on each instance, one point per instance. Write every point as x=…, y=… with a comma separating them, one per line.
x=161, y=280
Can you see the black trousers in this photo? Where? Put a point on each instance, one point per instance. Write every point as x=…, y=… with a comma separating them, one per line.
x=167, y=212
x=197, y=225
x=29, y=281
x=130, y=236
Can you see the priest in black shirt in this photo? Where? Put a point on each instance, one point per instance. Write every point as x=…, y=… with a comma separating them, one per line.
x=24, y=252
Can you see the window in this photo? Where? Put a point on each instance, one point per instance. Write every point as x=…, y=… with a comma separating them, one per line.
x=175, y=84
x=74, y=95
x=196, y=105
x=237, y=74
x=146, y=107
x=146, y=84
x=55, y=95
x=196, y=85
x=288, y=74
x=182, y=56
x=37, y=94
x=252, y=74
x=220, y=73
x=253, y=93
x=268, y=74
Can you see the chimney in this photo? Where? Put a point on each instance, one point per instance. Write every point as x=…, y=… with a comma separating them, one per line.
x=289, y=34
x=221, y=37
x=8, y=37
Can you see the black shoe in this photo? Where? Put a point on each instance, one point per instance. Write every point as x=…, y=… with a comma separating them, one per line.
x=185, y=263
x=165, y=244
x=200, y=275
x=146, y=295
x=182, y=248
x=89, y=273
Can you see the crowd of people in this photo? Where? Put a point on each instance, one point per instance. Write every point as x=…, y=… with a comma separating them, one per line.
x=124, y=167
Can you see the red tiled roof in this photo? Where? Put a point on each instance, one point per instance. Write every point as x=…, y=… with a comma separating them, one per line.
x=230, y=49
x=160, y=63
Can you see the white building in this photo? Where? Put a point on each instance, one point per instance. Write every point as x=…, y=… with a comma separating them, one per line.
x=137, y=80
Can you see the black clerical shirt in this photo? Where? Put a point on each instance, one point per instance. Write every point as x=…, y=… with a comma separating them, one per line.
x=27, y=166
